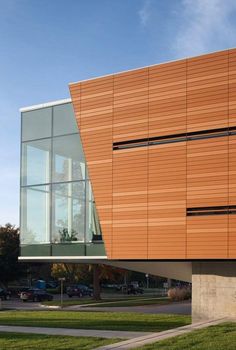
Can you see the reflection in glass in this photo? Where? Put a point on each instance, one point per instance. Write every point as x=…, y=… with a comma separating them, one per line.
x=68, y=212
x=35, y=207
x=36, y=162
x=57, y=203
x=36, y=124
x=93, y=228
x=68, y=159
x=64, y=121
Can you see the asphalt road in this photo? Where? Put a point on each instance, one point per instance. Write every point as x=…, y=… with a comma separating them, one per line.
x=17, y=304
x=180, y=308
x=183, y=308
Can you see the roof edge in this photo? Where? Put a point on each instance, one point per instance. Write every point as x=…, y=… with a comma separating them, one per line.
x=151, y=65
x=44, y=105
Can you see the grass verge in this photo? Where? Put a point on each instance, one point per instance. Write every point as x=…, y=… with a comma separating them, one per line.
x=220, y=337
x=110, y=302
x=94, y=320
x=135, y=302
x=16, y=341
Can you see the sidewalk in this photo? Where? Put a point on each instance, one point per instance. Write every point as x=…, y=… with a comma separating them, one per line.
x=135, y=339
x=155, y=337
x=74, y=332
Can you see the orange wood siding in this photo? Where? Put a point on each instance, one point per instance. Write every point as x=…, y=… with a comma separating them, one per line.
x=95, y=113
x=167, y=99
x=142, y=193
x=130, y=173
x=232, y=153
x=167, y=163
x=167, y=201
x=232, y=196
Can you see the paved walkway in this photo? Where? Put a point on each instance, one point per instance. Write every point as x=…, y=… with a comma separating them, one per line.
x=74, y=332
x=135, y=339
x=155, y=337
x=181, y=308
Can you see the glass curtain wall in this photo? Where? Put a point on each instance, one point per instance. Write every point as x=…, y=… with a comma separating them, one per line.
x=57, y=204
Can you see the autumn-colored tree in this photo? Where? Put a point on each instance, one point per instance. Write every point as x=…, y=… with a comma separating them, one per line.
x=72, y=272
x=87, y=272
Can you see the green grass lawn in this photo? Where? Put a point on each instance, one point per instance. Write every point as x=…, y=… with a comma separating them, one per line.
x=140, y=301
x=94, y=320
x=72, y=302
x=18, y=341
x=220, y=337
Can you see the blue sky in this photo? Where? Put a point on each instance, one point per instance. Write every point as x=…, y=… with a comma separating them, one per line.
x=45, y=44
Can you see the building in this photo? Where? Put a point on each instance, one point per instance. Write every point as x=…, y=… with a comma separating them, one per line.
x=139, y=173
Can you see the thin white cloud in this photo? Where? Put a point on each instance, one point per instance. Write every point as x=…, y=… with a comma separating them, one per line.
x=145, y=13
x=205, y=25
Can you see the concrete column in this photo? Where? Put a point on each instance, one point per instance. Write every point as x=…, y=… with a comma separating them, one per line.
x=213, y=290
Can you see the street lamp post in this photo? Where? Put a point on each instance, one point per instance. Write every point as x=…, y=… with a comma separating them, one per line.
x=147, y=277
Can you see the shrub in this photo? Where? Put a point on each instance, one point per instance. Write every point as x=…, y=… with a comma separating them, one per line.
x=178, y=294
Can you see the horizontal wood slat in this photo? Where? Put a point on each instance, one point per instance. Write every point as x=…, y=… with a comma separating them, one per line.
x=142, y=193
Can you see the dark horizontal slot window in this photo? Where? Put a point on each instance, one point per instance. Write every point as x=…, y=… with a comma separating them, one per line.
x=134, y=145
x=205, y=213
x=206, y=136
x=190, y=136
x=221, y=207
x=216, y=210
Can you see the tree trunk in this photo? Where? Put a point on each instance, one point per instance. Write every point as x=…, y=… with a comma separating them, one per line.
x=169, y=283
x=96, y=283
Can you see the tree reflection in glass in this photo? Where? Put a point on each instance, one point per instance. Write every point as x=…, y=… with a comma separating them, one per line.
x=69, y=212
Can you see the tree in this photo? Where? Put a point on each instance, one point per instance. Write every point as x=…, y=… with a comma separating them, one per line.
x=72, y=272
x=10, y=268
x=87, y=273
x=96, y=282
x=107, y=273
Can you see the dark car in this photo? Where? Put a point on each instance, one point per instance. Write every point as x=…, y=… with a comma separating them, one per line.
x=4, y=294
x=51, y=285
x=79, y=290
x=134, y=289
x=34, y=294
x=21, y=290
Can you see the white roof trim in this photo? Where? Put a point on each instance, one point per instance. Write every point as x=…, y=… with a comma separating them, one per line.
x=77, y=258
x=44, y=105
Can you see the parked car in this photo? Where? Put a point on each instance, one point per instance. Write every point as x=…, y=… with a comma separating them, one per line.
x=21, y=290
x=134, y=289
x=120, y=287
x=79, y=290
x=51, y=284
x=34, y=294
x=4, y=294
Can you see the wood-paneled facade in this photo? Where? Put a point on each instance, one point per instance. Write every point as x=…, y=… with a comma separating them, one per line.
x=160, y=141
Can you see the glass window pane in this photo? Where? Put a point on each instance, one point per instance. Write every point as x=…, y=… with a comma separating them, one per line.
x=36, y=162
x=68, y=159
x=68, y=216
x=35, y=206
x=93, y=228
x=64, y=121
x=37, y=124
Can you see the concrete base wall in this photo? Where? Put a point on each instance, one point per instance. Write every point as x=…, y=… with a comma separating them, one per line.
x=213, y=290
